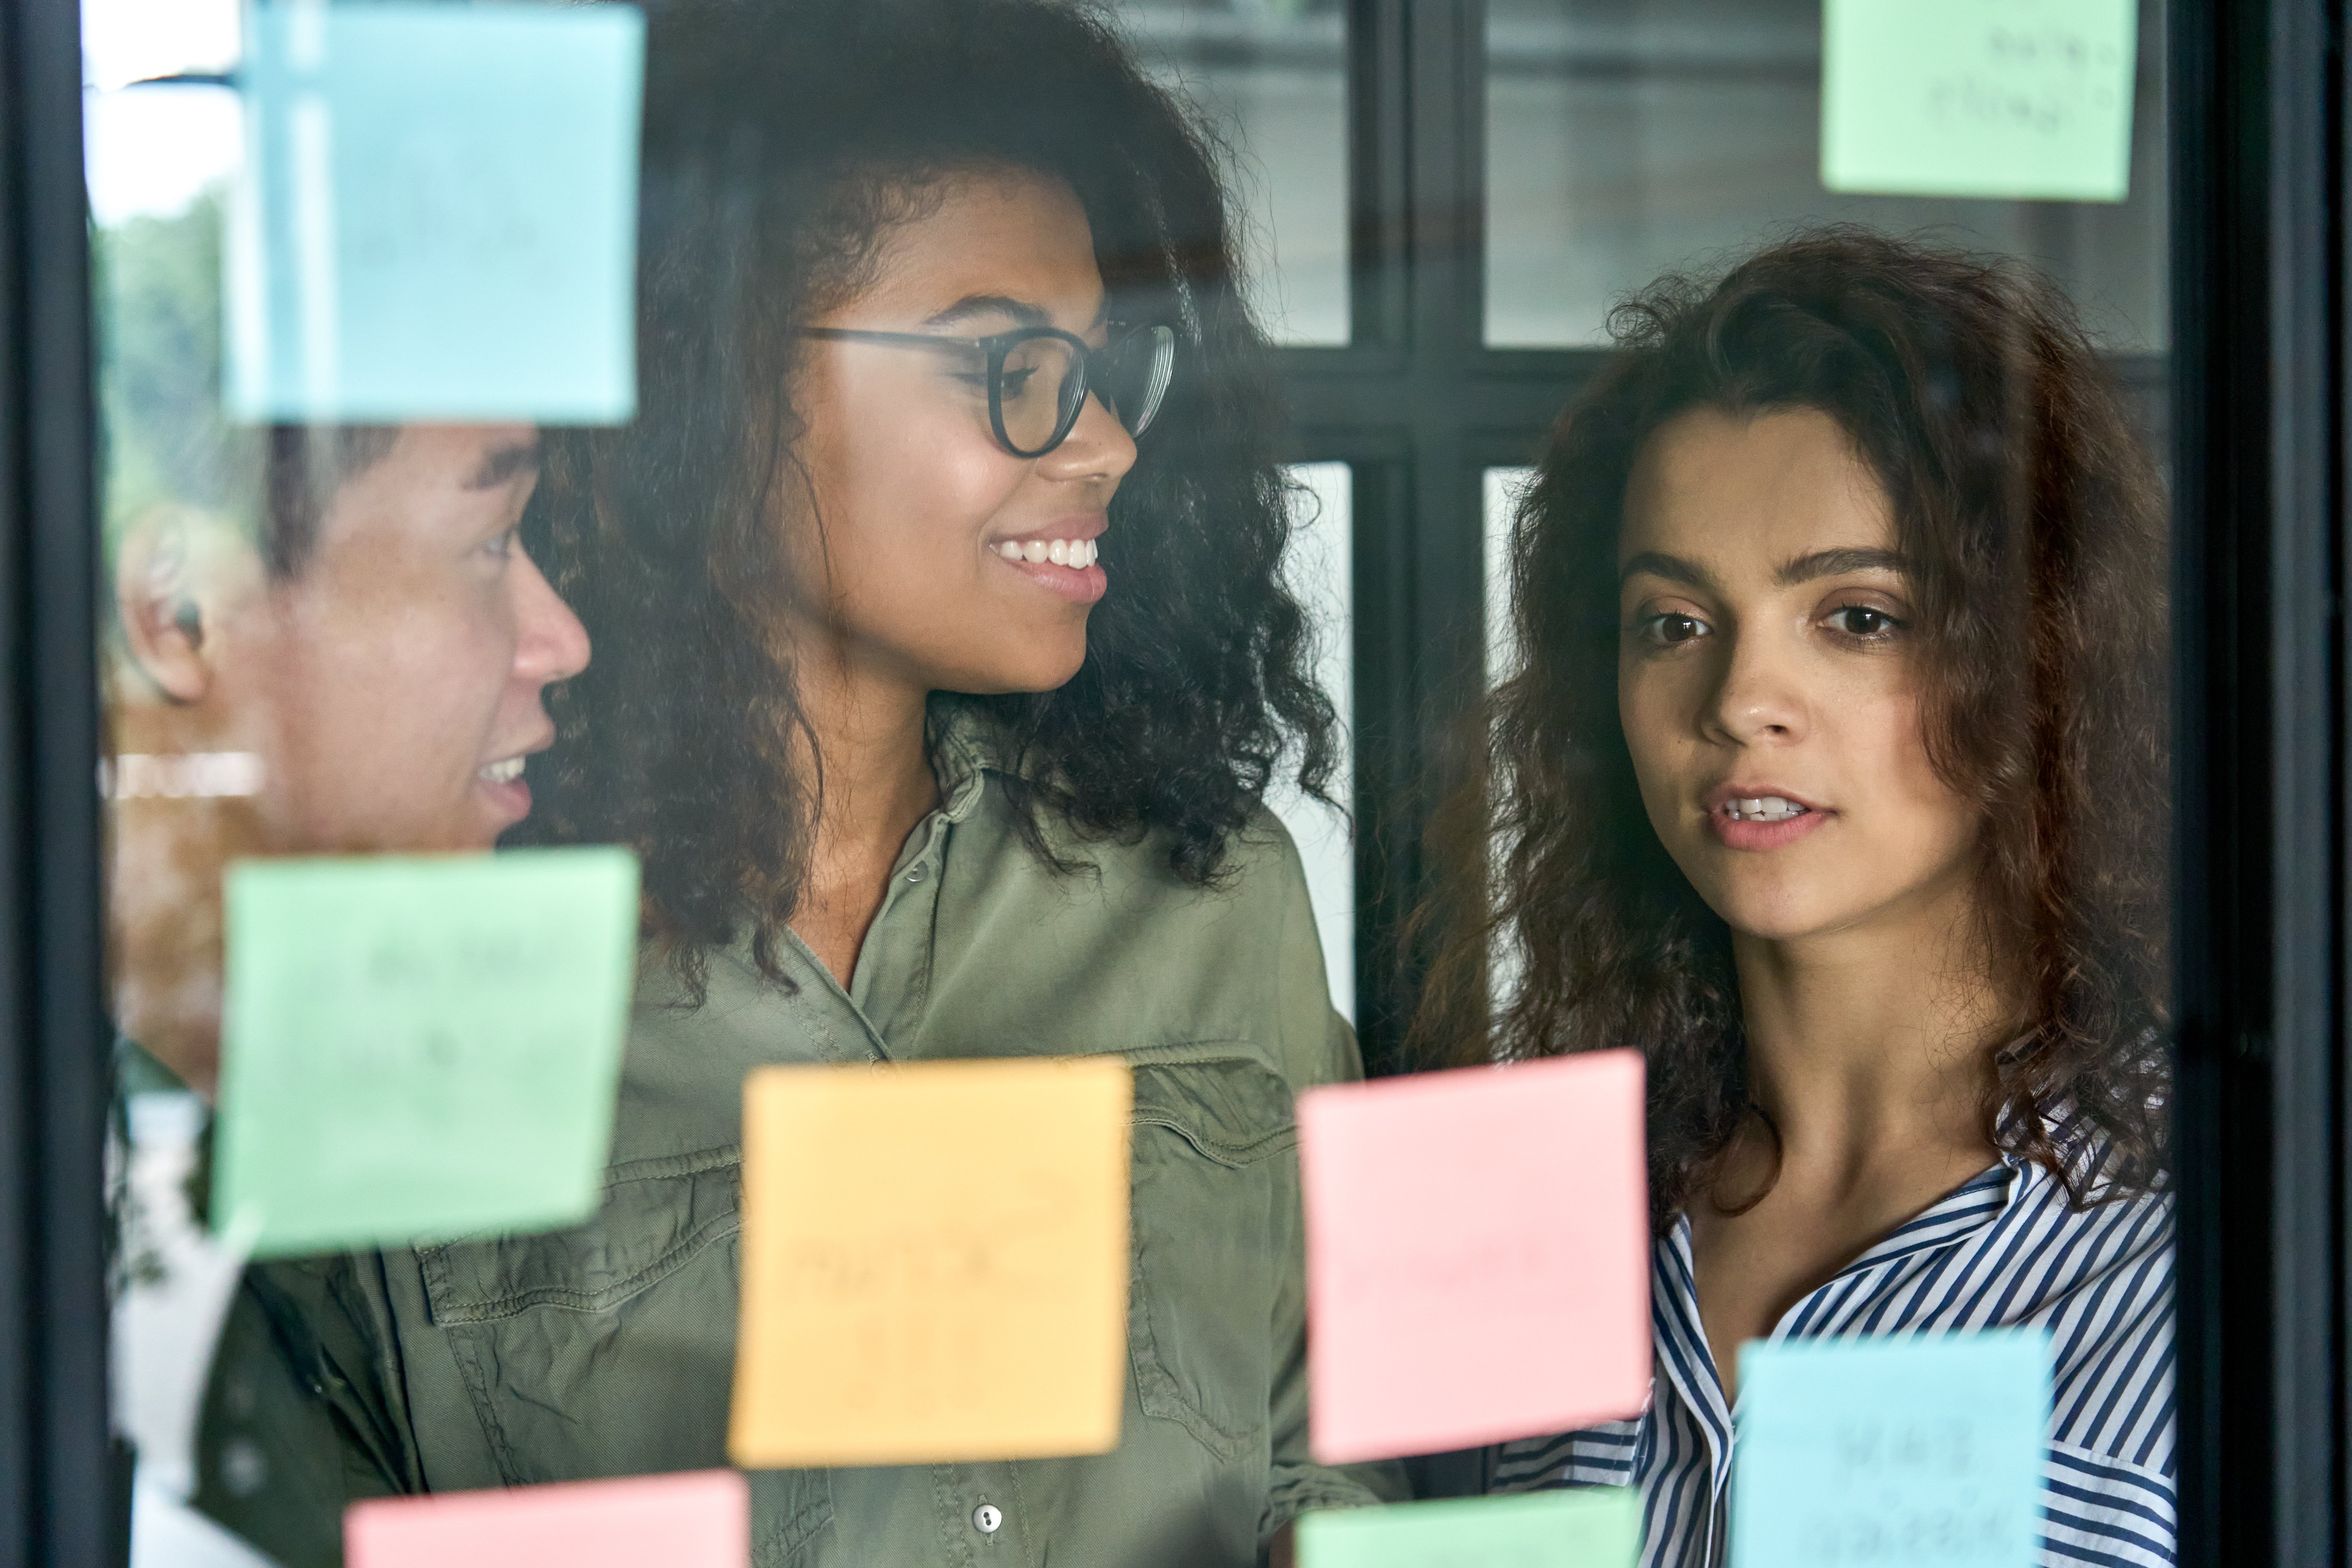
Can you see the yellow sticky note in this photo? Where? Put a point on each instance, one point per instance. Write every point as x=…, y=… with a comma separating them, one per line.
x=935, y=1263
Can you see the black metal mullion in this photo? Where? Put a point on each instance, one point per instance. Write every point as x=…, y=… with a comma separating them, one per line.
x=2256, y=100
x=1379, y=129
x=59, y=1495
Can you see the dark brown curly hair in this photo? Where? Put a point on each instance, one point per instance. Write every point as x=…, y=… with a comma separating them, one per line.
x=2031, y=519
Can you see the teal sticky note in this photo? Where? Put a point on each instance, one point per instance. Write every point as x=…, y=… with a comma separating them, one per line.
x=1582, y=1527
x=420, y=1048
x=2018, y=99
x=1891, y=1450
x=436, y=218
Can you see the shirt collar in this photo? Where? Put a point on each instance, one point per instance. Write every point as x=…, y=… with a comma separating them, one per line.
x=966, y=743
x=1683, y=1351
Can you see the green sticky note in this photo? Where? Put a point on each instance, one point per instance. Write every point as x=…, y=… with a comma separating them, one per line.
x=418, y=1048
x=2016, y=98
x=1921, y=1448
x=1582, y=1527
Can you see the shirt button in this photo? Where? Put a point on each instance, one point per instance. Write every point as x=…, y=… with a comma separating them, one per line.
x=918, y=873
x=986, y=1518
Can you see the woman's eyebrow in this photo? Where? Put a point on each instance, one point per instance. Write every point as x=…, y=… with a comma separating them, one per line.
x=972, y=305
x=1837, y=562
x=1021, y=311
x=1673, y=568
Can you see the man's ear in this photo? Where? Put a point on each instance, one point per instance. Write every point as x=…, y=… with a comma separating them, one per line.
x=174, y=577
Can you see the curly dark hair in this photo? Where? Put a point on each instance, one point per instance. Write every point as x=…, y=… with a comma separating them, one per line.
x=783, y=141
x=2032, y=521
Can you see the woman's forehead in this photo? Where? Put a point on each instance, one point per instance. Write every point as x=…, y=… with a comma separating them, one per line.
x=1752, y=490
x=992, y=243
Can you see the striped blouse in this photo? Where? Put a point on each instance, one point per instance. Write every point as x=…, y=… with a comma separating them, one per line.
x=2005, y=1250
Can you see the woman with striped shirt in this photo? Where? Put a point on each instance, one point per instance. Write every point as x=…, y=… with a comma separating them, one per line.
x=1833, y=778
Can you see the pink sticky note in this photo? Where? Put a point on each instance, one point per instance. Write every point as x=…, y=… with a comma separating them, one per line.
x=700, y=1519
x=1477, y=1255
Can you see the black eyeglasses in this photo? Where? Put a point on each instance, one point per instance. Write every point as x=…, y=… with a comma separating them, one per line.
x=1038, y=377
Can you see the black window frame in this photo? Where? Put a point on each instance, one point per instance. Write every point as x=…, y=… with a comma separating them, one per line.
x=1419, y=408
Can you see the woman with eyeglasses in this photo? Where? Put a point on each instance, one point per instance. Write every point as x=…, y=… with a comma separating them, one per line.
x=943, y=664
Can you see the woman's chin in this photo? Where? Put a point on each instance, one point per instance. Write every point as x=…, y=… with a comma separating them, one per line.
x=1046, y=670
x=1786, y=914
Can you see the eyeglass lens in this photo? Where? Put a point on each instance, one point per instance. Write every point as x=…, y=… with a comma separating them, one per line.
x=1041, y=385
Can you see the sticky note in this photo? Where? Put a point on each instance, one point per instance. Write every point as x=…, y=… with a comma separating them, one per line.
x=2019, y=99
x=697, y=1518
x=436, y=216
x=1926, y=1449
x=420, y=1048
x=1477, y=1255
x=1584, y=1527
x=935, y=1262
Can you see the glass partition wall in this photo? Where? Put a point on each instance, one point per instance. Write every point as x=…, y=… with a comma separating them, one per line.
x=314, y=497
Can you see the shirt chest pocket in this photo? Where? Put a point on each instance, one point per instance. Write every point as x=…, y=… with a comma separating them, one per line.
x=1216, y=1232
x=609, y=1348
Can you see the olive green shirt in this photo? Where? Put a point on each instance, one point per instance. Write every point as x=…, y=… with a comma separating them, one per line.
x=609, y=1349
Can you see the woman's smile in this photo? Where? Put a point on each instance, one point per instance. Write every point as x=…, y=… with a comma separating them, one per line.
x=1059, y=557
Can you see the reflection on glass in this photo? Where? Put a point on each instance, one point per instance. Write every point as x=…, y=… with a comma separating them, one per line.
x=1271, y=77
x=150, y=149
x=1629, y=137
x=1318, y=569
x=1500, y=492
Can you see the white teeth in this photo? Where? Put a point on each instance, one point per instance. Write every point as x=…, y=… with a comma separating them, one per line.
x=1764, y=808
x=506, y=772
x=1076, y=553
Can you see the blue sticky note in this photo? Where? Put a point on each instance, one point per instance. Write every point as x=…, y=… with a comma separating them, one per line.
x=1578, y=1527
x=1909, y=1450
x=2013, y=99
x=436, y=213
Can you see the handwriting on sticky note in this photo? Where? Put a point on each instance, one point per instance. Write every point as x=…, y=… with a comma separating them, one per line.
x=698, y=1519
x=1911, y=1450
x=1477, y=1254
x=420, y=1047
x=935, y=1262
x=2023, y=99
x=436, y=215
x=1584, y=1527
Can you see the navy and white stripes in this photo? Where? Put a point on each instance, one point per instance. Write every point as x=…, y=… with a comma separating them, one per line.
x=2006, y=1250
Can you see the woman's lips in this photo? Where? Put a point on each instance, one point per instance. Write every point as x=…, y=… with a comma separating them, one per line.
x=1079, y=584
x=1762, y=821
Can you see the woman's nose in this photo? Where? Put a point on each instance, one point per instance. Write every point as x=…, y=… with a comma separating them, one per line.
x=1760, y=696
x=1098, y=447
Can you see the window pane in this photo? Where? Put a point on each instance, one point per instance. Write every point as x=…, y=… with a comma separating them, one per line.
x=1271, y=77
x=1629, y=137
x=1321, y=551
